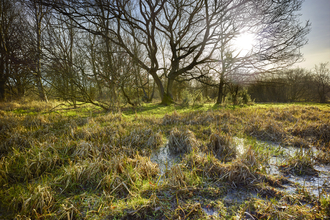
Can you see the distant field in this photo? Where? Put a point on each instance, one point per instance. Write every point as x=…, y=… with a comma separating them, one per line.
x=263, y=161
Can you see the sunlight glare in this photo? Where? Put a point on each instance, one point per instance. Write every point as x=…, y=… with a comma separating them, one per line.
x=244, y=42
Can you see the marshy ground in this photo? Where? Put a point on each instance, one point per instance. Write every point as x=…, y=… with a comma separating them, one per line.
x=156, y=162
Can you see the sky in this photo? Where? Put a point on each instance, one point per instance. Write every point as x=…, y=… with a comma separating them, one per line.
x=318, y=48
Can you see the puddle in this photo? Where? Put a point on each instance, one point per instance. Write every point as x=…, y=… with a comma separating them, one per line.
x=240, y=146
x=292, y=151
x=238, y=196
x=164, y=158
x=210, y=212
x=316, y=185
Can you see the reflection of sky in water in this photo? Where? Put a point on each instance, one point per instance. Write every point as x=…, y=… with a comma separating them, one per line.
x=240, y=146
x=164, y=158
x=313, y=184
x=210, y=212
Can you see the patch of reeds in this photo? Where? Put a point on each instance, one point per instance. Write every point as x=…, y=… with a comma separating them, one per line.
x=222, y=146
x=264, y=209
x=175, y=118
x=268, y=130
x=145, y=138
x=35, y=201
x=318, y=131
x=322, y=157
x=143, y=166
x=25, y=165
x=181, y=141
x=236, y=173
x=299, y=164
x=296, y=142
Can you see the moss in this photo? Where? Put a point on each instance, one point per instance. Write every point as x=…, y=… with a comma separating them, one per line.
x=167, y=100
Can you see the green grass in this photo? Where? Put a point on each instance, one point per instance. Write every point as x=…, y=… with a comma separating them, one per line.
x=63, y=163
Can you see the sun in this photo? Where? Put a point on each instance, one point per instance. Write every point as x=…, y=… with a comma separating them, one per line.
x=244, y=42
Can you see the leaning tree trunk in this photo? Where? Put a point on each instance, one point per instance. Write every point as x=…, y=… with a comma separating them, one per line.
x=166, y=99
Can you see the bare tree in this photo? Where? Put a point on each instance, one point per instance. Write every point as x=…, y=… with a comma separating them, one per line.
x=15, y=50
x=191, y=30
x=38, y=17
x=322, y=81
x=7, y=34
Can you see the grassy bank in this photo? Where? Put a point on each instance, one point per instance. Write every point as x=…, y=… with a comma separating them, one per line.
x=63, y=163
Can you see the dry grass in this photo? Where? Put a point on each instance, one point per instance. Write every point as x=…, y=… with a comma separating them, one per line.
x=262, y=209
x=35, y=201
x=300, y=164
x=86, y=173
x=296, y=142
x=317, y=131
x=269, y=130
x=53, y=166
x=144, y=167
x=181, y=141
x=323, y=157
x=175, y=118
x=237, y=172
x=145, y=138
x=25, y=165
x=177, y=176
x=85, y=150
x=222, y=146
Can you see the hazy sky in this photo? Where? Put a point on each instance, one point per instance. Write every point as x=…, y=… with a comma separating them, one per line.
x=318, y=48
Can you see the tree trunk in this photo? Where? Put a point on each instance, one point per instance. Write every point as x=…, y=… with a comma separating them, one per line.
x=220, y=93
x=39, y=15
x=2, y=90
x=167, y=98
x=41, y=90
x=127, y=97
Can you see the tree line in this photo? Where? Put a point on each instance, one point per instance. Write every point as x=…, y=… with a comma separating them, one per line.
x=110, y=52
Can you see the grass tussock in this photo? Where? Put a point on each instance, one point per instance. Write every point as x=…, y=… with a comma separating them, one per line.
x=57, y=162
x=269, y=130
x=222, y=146
x=145, y=138
x=300, y=164
x=175, y=118
x=35, y=201
x=181, y=141
x=317, y=131
x=237, y=172
x=261, y=209
x=82, y=175
x=322, y=157
x=21, y=166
